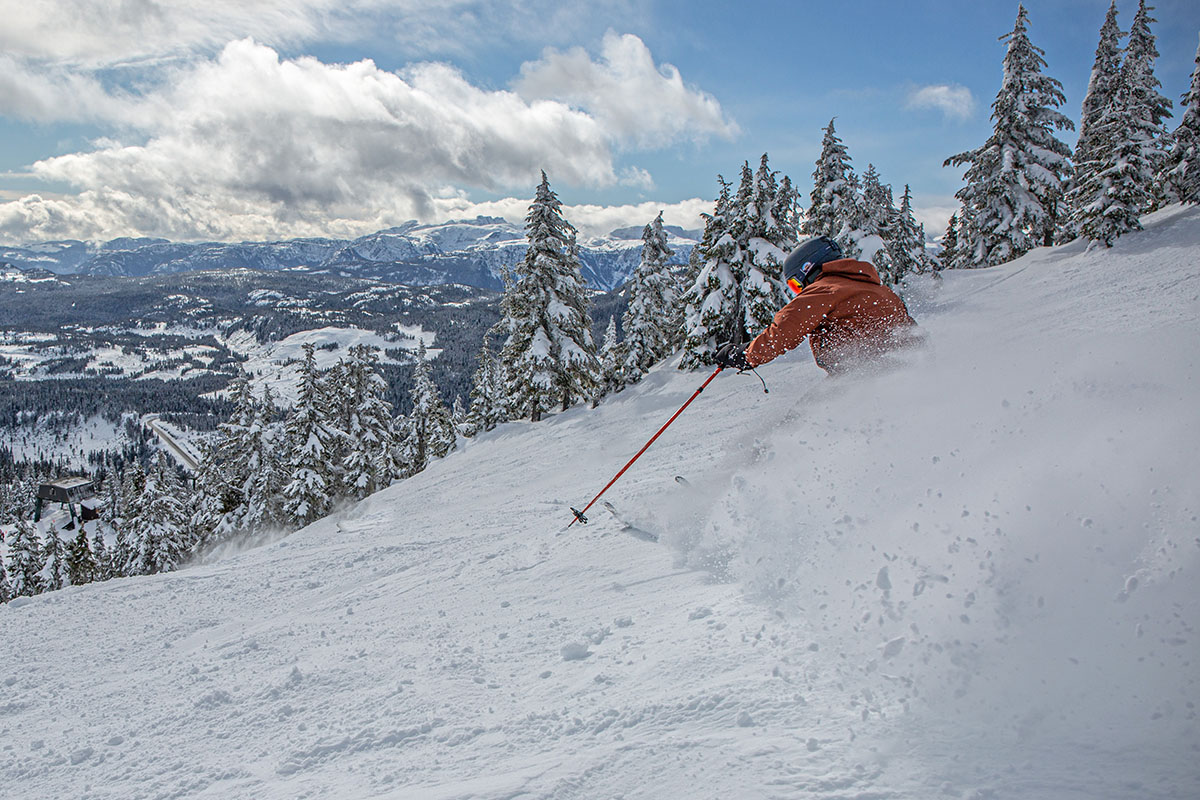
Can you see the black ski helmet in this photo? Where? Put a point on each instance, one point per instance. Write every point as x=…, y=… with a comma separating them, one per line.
x=803, y=265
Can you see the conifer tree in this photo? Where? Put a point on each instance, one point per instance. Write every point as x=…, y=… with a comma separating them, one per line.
x=263, y=489
x=458, y=413
x=652, y=319
x=549, y=357
x=765, y=239
x=158, y=526
x=872, y=227
x=1117, y=184
x=81, y=564
x=1015, y=181
x=429, y=430
x=125, y=554
x=1180, y=176
x=833, y=198
x=949, y=255
x=487, y=394
x=370, y=462
x=309, y=441
x=5, y=587
x=215, y=499
x=101, y=556
x=614, y=363
x=25, y=561
x=1098, y=101
x=740, y=286
x=906, y=246
x=711, y=304
x=54, y=574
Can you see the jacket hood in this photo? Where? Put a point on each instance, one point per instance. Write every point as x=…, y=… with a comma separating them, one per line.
x=852, y=269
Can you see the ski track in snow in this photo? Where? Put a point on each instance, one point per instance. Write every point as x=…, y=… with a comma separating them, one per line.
x=970, y=575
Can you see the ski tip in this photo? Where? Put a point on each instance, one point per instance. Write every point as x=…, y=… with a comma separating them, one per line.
x=682, y=481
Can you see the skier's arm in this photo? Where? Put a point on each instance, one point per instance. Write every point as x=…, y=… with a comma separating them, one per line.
x=794, y=321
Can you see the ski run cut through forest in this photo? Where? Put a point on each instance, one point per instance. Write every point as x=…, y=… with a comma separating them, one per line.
x=969, y=574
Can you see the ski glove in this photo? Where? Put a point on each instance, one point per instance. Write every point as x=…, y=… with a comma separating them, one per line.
x=730, y=355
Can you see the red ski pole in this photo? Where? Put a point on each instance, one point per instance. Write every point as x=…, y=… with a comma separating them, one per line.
x=579, y=515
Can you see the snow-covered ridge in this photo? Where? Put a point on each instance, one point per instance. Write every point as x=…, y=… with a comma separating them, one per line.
x=970, y=575
x=471, y=252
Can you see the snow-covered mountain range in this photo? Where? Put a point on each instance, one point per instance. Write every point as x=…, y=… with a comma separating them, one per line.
x=469, y=252
x=970, y=575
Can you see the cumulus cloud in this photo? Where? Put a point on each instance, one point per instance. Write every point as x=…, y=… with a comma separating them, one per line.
x=638, y=102
x=952, y=100
x=251, y=145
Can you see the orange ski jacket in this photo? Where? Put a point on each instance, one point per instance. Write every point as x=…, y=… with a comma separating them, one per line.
x=847, y=313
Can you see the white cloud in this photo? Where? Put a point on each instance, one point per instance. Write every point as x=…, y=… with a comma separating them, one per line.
x=637, y=178
x=248, y=146
x=637, y=102
x=252, y=143
x=952, y=100
x=54, y=94
x=108, y=32
x=934, y=213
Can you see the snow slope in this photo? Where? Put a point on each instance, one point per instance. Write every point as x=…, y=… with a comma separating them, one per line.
x=972, y=575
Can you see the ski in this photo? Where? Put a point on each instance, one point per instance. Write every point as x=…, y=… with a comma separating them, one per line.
x=629, y=527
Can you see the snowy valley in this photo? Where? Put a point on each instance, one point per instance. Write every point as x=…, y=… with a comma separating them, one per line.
x=971, y=574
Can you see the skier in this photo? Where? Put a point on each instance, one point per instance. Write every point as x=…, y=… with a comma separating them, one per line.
x=840, y=304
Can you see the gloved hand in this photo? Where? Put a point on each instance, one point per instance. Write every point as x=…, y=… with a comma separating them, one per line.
x=730, y=355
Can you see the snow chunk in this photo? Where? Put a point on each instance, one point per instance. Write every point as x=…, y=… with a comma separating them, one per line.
x=575, y=651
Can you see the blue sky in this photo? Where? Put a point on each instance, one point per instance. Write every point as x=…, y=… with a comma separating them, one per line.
x=234, y=120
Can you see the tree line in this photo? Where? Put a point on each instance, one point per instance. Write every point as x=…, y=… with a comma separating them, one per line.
x=1025, y=188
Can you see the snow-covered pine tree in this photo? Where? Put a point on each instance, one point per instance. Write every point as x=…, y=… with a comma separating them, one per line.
x=429, y=430
x=614, y=364
x=786, y=214
x=25, y=560
x=158, y=526
x=740, y=287
x=81, y=564
x=100, y=554
x=1117, y=184
x=125, y=555
x=54, y=574
x=1180, y=176
x=906, y=246
x=711, y=303
x=458, y=413
x=949, y=256
x=872, y=226
x=833, y=197
x=263, y=489
x=370, y=462
x=213, y=498
x=549, y=357
x=765, y=238
x=1015, y=181
x=1098, y=101
x=238, y=480
x=652, y=319
x=487, y=394
x=309, y=440
x=5, y=587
